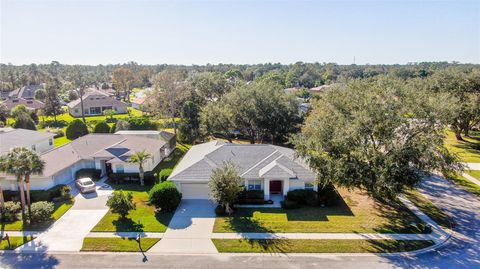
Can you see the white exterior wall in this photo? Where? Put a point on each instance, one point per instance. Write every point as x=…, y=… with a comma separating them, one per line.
x=296, y=184
x=44, y=145
x=133, y=168
x=36, y=183
x=67, y=175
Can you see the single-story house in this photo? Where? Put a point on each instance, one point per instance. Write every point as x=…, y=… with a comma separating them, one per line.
x=37, y=141
x=169, y=138
x=273, y=169
x=24, y=96
x=106, y=152
x=95, y=102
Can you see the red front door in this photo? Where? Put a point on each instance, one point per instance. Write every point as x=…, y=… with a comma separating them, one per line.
x=276, y=186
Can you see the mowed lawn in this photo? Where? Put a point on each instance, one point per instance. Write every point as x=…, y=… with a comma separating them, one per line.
x=143, y=219
x=118, y=244
x=318, y=245
x=357, y=213
x=60, y=209
x=465, y=183
x=15, y=242
x=468, y=150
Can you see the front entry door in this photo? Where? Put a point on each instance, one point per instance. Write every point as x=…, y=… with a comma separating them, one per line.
x=276, y=186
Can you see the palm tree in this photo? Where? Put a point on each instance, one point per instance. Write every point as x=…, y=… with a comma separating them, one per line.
x=140, y=157
x=14, y=163
x=33, y=165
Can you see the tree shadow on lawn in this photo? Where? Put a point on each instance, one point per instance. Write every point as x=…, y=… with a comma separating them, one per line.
x=250, y=224
x=399, y=219
x=127, y=225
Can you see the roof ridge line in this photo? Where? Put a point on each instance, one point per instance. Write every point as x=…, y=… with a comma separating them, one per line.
x=257, y=164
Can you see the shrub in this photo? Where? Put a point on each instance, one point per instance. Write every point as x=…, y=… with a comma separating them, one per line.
x=92, y=173
x=121, y=203
x=302, y=197
x=52, y=124
x=165, y=196
x=255, y=197
x=42, y=211
x=101, y=127
x=141, y=123
x=24, y=121
x=76, y=129
x=120, y=125
x=165, y=173
x=11, y=211
x=288, y=204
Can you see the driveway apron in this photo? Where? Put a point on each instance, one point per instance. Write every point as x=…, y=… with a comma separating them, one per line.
x=190, y=229
x=67, y=233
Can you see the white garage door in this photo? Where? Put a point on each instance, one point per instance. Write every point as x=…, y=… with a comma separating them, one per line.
x=195, y=191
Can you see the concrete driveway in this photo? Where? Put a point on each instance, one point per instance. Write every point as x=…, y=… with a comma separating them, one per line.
x=190, y=229
x=67, y=233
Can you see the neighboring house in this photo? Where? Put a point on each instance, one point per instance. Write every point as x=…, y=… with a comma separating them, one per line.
x=24, y=96
x=106, y=152
x=94, y=103
x=273, y=169
x=37, y=141
x=138, y=103
x=169, y=138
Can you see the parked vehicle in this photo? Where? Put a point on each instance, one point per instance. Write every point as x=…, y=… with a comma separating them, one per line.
x=85, y=184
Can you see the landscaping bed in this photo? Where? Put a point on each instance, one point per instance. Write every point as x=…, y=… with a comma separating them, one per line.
x=117, y=244
x=60, y=208
x=143, y=219
x=355, y=213
x=318, y=245
x=15, y=242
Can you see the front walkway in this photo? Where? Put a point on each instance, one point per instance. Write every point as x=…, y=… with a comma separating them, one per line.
x=67, y=233
x=189, y=230
x=472, y=166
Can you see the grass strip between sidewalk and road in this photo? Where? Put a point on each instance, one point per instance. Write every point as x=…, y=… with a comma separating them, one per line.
x=15, y=242
x=117, y=244
x=318, y=246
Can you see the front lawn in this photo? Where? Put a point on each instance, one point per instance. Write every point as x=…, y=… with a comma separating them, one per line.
x=465, y=183
x=117, y=244
x=142, y=219
x=468, y=150
x=15, y=242
x=318, y=246
x=357, y=213
x=60, y=209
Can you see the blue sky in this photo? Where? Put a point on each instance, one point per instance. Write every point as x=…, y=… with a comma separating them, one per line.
x=200, y=32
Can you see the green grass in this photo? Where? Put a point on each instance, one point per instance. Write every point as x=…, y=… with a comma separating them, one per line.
x=60, y=209
x=143, y=219
x=117, y=244
x=318, y=246
x=357, y=214
x=465, y=183
x=468, y=150
x=68, y=118
x=427, y=207
x=15, y=242
x=174, y=158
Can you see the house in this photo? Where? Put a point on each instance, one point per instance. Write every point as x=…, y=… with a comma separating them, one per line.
x=169, y=138
x=106, y=152
x=37, y=141
x=273, y=169
x=24, y=96
x=94, y=103
x=138, y=103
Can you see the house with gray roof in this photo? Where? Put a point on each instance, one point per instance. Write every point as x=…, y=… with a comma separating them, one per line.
x=270, y=168
x=109, y=153
x=95, y=102
x=24, y=96
x=37, y=141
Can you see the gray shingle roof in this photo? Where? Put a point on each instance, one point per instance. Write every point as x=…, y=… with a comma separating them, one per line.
x=253, y=161
x=96, y=98
x=11, y=138
x=97, y=145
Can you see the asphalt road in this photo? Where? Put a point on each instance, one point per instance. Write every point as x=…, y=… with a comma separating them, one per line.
x=463, y=251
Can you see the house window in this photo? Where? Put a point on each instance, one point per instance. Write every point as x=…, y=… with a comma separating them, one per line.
x=120, y=168
x=76, y=111
x=254, y=185
x=308, y=186
x=50, y=141
x=95, y=110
